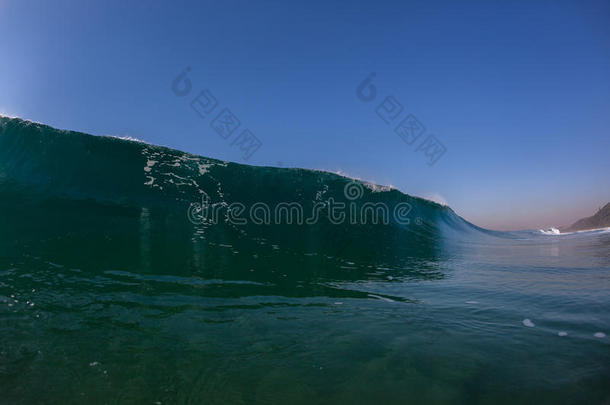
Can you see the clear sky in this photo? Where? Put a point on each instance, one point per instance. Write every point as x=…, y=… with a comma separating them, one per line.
x=518, y=92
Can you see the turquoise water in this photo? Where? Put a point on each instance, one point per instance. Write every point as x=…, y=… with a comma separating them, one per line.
x=110, y=294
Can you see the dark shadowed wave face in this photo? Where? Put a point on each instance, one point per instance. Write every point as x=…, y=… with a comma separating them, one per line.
x=135, y=273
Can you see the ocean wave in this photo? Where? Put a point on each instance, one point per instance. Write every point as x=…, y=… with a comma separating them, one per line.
x=555, y=231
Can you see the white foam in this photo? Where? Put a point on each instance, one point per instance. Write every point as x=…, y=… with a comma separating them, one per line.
x=381, y=298
x=128, y=138
x=437, y=198
x=554, y=231
x=376, y=188
x=550, y=231
x=562, y=333
x=472, y=302
x=600, y=335
x=528, y=323
x=7, y=115
x=596, y=230
x=203, y=168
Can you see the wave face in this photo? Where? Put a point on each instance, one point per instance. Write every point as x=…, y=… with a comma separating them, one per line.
x=53, y=168
x=128, y=274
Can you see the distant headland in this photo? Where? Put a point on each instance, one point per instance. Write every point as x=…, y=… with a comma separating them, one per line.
x=601, y=219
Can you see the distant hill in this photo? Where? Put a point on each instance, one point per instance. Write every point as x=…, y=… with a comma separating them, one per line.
x=601, y=219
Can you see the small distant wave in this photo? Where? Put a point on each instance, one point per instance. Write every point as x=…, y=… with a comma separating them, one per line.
x=555, y=231
x=596, y=230
x=550, y=231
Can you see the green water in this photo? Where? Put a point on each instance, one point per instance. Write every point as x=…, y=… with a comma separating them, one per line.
x=109, y=294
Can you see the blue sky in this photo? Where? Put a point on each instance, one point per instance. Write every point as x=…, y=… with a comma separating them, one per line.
x=517, y=92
